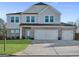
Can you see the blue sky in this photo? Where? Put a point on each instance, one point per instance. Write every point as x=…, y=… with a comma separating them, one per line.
x=69, y=10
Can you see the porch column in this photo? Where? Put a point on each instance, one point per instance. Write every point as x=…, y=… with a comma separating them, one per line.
x=20, y=32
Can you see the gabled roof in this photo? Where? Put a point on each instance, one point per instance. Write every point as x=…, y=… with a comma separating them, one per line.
x=35, y=9
x=40, y=3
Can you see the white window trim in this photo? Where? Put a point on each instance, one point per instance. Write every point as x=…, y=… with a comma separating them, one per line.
x=49, y=19
x=25, y=19
x=17, y=31
x=53, y=19
x=34, y=19
x=12, y=31
x=14, y=19
x=30, y=19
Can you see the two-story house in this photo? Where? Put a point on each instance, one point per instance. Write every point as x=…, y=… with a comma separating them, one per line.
x=41, y=22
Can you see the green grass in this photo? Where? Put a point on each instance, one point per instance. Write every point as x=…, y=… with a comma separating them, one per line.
x=13, y=46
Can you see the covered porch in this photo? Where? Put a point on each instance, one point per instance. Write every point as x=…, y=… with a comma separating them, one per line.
x=26, y=32
x=29, y=30
x=47, y=31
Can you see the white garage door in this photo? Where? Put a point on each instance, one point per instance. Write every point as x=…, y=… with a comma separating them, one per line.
x=67, y=34
x=46, y=34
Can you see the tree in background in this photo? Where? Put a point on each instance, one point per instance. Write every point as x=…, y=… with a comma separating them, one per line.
x=3, y=32
x=1, y=28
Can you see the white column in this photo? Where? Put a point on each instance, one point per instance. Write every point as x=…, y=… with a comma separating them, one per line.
x=20, y=32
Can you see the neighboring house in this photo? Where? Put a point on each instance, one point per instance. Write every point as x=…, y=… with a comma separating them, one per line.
x=77, y=26
x=41, y=22
x=72, y=23
x=77, y=29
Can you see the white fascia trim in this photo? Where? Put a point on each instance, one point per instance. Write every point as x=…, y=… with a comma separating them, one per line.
x=42, y=10
x=49, y=19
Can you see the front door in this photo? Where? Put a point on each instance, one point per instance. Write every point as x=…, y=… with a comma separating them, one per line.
x=28, y=33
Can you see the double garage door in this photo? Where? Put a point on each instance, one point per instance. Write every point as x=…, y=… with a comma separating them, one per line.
x=43, y=34
x=46, y=34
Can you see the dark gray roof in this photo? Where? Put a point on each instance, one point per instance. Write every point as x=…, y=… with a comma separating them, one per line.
x=66, y=24
x=40, y=3
x=19, y=13
x=37, y=24
x=14, y=13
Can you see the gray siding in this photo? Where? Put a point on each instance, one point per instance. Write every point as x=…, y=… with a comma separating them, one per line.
x=49, y=12
x=40, y=17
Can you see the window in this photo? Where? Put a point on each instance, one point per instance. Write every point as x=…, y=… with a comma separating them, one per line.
x=46, y=18
x=17, y=31
x=12, y=31
x=12, y=19
x=51, y=18
x=17, y=19
x=27, y=18
x=32, y=19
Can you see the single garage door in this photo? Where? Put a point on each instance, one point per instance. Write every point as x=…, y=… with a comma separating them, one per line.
x=67, y=34
x=41, y=34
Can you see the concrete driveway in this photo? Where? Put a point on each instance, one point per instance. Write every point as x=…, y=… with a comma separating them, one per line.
x=52, y=48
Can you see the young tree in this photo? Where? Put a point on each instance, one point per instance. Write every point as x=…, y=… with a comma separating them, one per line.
x=3, y=32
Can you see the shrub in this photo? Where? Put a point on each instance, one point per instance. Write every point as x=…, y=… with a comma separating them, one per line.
x=30, y=38
x=23, y=37
x=1, y=37
x=17, y=37
x=8, y=38
x=12, y=37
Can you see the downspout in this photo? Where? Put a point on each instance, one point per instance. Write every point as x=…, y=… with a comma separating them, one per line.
x=60, y=33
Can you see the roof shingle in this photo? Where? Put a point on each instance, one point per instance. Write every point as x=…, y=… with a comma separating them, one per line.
x=37, y=24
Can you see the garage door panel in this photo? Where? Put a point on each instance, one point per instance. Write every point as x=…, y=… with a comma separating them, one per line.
x=46, y=34
x=67, y=35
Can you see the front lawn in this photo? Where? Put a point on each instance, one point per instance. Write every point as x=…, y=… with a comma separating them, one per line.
x=13, y=46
